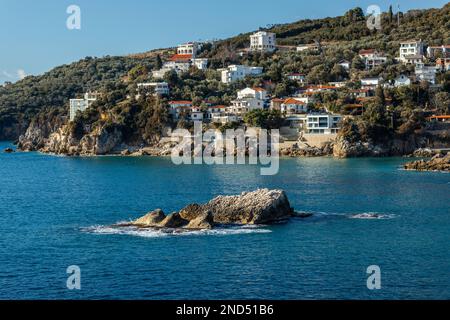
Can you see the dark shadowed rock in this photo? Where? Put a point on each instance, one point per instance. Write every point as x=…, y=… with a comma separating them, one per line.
x=173, y=220
x=9, y=150
x=202, y=221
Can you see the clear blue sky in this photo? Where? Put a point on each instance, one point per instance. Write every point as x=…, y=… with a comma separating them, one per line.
x=34, y=37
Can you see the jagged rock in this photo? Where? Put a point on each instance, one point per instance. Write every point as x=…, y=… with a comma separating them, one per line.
x=173, y=220
x=151, y=219
x=346, y=149
x=437, y=163
x=192, y=211
x=8, y=150
x=125, y=152
x=424, y=153
x=202, y=221
x=257, y=207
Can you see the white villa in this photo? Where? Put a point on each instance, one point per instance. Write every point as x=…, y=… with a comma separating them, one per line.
x=345, y=64
x=296, y=77
x=239, y=72
x=158, y=88
x=257, y=93
x=190, y=48
x=200, y=63
x=402, y=80
x=372, y=58
x=410, y=49
x=323, y=123
x=81, y=104
x=293, y=106
x=178, y=107
x=242, y=106
x=263, y=41
x=370, y=83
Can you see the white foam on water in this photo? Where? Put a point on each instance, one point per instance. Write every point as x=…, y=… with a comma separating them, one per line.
x=362, y=215
x=373, y=216
x=157, y=233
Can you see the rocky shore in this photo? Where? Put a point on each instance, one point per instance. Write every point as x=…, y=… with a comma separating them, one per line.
x=438, y=163
x=262, y=206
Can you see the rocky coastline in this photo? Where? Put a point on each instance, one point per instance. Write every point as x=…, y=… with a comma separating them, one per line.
x=61, y=139
x=262, y=206
x=439, y=162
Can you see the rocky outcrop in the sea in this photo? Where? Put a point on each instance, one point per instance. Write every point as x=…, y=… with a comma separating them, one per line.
x=344, y=148
x=438, y=163
x=99, y=141
x=8, y=150
x=307, y=151
x=262, y=206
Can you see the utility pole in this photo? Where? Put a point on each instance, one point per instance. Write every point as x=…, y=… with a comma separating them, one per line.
x=398, y=14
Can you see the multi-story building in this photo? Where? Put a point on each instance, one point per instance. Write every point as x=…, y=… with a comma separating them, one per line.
x=200, y=63
x=410, y=48
x=242, y=106
x=239, y=72
x=299, y=77
x=372, y=58
x=293, y=106
x=179, y=107
x=426, y=73
x=263, y=41
x=81, y=104
x=257, y=93
x=157, y=88
x=370, y=83
x=323, y=123
x=190, y=48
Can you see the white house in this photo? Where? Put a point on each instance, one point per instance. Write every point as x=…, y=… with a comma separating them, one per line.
x=345, y=64
x=224, y=118
x=200, y=63
x=239, y=72
x=312, y=46
x=426, y=73
x=293, y=106
x=177, y=107
x=414, y=59
x=323, y=123
x=410, y=48
x=257, y=93
x=190, y=48
x=196, y=113
x=370, y=83
x=81, y=104
x=263, y=41
x=372, y=58
x=158, y=88
x=402, y=80
x=244, y=105
x=296, y=77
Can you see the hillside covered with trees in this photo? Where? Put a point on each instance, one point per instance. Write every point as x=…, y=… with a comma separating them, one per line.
x=46, y=97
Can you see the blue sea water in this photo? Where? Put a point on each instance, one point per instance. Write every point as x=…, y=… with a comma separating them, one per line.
x=55, y=212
